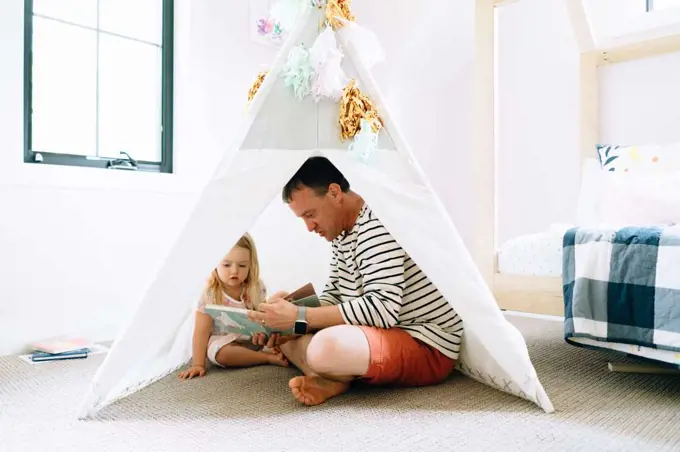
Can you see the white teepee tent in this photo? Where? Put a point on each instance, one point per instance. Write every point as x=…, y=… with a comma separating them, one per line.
x=279, y=133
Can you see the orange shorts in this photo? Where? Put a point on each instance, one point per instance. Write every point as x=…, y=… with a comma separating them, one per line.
x=397, y=358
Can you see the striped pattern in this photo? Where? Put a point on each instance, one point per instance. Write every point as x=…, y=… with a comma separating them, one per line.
x=376, y=283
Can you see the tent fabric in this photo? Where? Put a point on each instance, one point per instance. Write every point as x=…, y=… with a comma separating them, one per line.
x=279, y=133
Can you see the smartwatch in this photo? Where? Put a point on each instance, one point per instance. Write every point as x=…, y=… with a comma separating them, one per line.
x=301, y=322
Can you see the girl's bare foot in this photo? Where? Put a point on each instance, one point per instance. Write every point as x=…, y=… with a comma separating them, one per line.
x=316, y=390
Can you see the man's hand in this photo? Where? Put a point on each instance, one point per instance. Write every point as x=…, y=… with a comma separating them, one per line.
x=277, y=314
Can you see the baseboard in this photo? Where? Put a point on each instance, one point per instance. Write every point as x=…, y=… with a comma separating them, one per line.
x=554, y=318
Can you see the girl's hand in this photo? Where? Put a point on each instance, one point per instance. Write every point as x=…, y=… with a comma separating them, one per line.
x=193, y=371
x=261, y=340
x=274, y=340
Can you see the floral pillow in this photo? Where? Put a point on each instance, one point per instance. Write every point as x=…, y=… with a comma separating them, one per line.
x=647, y=158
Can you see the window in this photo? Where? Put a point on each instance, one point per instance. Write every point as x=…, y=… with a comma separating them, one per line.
x=659, y=5
x=615, y=22
x=98, y=83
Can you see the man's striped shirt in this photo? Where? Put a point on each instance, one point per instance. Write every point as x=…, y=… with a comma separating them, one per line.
x=376, y=283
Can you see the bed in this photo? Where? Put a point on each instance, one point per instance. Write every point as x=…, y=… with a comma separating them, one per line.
x=615, y=275
x=528, y=273
x=631, y=307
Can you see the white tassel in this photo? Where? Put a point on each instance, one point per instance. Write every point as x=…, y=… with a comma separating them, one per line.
x=326, y=59
x=364, y=41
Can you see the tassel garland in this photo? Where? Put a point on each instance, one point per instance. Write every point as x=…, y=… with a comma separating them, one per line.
x=298, y=72
x=365, y=142
x=336, y=11
x=355, y=106
x=325, y=57
x=318, y=70
x=256, y=85
x=364, y=41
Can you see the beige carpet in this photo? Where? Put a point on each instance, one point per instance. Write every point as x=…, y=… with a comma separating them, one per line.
x=252, y=410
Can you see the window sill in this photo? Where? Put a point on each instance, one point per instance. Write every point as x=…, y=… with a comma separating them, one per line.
x=638, y=36
x=84, y=178
x=619, y=22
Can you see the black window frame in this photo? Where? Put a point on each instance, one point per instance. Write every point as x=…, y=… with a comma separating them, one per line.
x=650, y=6
x=122, y=163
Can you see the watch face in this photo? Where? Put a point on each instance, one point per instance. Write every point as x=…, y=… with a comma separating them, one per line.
x=300, y=327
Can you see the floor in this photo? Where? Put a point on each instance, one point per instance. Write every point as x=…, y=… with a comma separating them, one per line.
x=251, y=409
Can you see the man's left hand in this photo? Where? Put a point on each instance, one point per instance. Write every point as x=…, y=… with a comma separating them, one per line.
x=277, y=314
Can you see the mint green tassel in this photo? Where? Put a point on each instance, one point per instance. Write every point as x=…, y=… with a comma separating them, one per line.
x=365, y=142
x=298, y=72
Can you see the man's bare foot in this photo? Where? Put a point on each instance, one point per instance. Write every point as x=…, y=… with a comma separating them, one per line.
x=316, y=390
x=277, y=358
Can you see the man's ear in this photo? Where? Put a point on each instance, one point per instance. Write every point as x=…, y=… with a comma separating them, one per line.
x=335, y=192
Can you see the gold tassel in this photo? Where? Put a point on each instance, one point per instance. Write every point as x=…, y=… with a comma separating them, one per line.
x=256, y=85
x=336, y=9
x=353, y=107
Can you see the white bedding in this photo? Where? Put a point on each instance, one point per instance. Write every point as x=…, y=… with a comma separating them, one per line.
x=537, y=254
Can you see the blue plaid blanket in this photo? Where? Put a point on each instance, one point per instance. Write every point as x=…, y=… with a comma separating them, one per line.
x=623, y=285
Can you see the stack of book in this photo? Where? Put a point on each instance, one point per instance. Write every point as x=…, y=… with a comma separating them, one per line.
x=60, y=349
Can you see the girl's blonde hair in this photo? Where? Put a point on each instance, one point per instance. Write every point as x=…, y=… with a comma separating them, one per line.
x=253, y=286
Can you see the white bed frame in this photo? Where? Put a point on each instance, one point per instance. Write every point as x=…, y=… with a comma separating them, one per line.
x=540, y=294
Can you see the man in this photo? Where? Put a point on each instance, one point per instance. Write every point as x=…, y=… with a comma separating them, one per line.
x=381, y=321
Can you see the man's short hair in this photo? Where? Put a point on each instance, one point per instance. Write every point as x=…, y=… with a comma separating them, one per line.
x=317, y=173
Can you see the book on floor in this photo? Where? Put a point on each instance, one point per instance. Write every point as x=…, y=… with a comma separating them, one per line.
x=228, y=319
x=61, y=344
x=73, y=354
x=37, y=357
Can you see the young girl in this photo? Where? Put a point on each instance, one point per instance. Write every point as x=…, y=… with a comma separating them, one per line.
x=235, y=282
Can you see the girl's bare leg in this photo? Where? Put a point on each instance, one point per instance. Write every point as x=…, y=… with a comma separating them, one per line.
x=234, y=355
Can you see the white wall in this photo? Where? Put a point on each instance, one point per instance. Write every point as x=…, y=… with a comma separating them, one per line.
x=537, y=130
x=435, y=96
x=639, y=101
x=79, y=246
